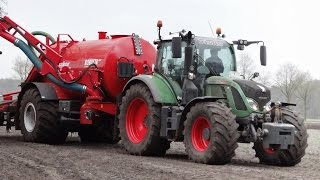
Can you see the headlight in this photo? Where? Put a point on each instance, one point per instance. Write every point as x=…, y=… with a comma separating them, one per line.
x=253, y=104
x=267, y=107
x=191, y=76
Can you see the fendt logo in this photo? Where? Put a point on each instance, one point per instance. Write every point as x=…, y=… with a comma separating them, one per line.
x=88, y=62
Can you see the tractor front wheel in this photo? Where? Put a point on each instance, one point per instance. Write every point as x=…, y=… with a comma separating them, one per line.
x=285, y=157
x=140, y=123
x=39, y=120
x=210, y=133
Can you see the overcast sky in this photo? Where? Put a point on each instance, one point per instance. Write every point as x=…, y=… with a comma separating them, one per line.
x=289, y=28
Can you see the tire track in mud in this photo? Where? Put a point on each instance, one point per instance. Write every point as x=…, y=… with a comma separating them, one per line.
x=50, y=171
x=73, y=160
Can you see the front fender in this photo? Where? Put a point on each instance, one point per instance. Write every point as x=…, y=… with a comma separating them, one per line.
x=161, y=90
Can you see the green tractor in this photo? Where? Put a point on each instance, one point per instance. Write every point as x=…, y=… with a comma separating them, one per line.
x=191, y=97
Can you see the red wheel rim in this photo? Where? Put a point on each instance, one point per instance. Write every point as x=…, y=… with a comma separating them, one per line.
x=135, y=120
x=200, y=143
x=270, y=150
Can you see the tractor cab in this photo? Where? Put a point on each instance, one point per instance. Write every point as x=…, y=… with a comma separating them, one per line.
x=211, y=57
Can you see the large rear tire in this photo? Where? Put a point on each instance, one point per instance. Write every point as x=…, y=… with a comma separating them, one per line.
x=210, y=134
x=103, y=132
x=39, y=120
x=140, y=123
x=291, y=156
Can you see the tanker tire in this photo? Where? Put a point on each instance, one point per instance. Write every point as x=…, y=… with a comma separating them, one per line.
x=152, y=144
x=46, y=128
x=223, y=134
x=103, y=133
x=293, y=155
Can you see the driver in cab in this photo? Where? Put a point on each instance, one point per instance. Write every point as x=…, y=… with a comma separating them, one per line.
x=214, y=63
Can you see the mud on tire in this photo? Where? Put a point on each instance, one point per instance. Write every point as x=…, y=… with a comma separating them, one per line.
x=139, y=123
x=221, y=133
x=39, y=120
x=291, y=156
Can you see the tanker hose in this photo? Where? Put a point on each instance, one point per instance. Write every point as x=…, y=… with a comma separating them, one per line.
x=41, y=33
x=38, y=64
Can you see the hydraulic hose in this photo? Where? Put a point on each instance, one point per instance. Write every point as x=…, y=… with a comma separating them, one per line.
x=41, y=33
x=38, y=64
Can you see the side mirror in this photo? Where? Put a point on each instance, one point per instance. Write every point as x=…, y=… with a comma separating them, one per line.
x=176, y=47
x=263, y=55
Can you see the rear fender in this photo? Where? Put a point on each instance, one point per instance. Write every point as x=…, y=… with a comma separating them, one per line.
x=161, y=90
x=47, y=92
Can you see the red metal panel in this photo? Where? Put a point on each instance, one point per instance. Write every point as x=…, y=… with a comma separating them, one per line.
x=106, y=54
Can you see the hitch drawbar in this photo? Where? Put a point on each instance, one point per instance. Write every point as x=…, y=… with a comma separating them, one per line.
x=278, y=134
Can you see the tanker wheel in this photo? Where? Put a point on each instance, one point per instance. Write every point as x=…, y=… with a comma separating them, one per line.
x=210, y=133
x=104, y=132
x=39, y=120
x=140, y=123
x=291, y=156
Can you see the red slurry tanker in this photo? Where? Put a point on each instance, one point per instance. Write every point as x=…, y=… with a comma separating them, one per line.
x=74, y=85
x=119, y=86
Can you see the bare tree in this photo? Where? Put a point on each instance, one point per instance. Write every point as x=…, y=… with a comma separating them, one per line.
x=22, y=67
x=287, y=80
x=264, y=78
x=246, y=66
x=304, y=90
x=3, y=3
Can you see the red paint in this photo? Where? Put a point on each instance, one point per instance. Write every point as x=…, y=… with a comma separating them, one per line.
x=198, y=141
x=135, y=120
x=7, y=98
x=270, y=150
x=69, y=58
x=102, y=35
x=106, y=54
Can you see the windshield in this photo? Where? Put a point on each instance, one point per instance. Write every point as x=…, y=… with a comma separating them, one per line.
x=213, y=56
x=216, y=54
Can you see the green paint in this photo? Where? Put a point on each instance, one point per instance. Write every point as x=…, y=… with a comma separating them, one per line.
x=160, y=88
x=213, y=88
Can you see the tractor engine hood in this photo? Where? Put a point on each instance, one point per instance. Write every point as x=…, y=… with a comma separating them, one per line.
x=256, y=91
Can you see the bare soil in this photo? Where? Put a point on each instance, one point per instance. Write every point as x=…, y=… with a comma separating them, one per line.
x=74, y=160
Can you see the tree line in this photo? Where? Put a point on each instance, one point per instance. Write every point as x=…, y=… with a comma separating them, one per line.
x=290, y=84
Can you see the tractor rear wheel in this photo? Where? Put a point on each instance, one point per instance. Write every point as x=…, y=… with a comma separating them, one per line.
x=104, y=132
x=210, y=133
x=140, y=123
x=287, y=157
x=39, y=120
